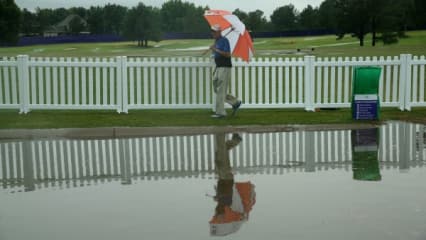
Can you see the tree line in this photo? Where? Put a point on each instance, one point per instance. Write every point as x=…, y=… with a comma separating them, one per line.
x=387, y=20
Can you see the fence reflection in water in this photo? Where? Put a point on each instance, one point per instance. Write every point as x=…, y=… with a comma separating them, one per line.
x=36, y=164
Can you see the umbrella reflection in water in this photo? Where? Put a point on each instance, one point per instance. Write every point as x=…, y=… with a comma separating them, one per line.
x=234, y=199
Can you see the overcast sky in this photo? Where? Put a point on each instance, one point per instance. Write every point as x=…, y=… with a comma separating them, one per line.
x=267, y=6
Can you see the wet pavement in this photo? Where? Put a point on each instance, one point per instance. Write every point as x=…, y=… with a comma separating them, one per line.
x=129, y=132
x=274, y=182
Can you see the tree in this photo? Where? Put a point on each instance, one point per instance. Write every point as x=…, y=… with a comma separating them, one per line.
x=393, y=20
x=113, y=17
x=178, y=16
x=29, y=24
x=284, y=18
x=44, y=17
x=256, y=21
x=80, y=11
x=402, y=10
x=418, y=15
x=376, y=12
x=143, y=23
x=308, y=18
x=359, y=17
x=328, y=15
x=194, y=21
x=95, y=20
x=354, y=16
x=10, y=21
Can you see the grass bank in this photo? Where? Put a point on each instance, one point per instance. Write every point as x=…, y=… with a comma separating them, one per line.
x=324, y=46
x=160, y=118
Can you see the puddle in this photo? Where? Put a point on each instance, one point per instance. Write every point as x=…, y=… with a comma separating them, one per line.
x=259, y=43
x=191, y=48
x=315, y=38
x=337, y=44
x=329, y=184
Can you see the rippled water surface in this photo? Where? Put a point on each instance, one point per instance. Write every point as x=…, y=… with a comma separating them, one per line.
x=343, y=184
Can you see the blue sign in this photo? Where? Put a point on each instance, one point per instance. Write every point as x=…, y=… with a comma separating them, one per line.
x=365, y=107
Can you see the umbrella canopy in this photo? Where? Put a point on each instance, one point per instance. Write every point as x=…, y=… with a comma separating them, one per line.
x=234, y=30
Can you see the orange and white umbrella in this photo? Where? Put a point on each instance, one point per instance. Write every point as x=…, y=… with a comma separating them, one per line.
x=234, y=30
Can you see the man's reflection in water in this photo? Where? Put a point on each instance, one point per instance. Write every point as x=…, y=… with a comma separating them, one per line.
x=365, y=147
x=234, y=199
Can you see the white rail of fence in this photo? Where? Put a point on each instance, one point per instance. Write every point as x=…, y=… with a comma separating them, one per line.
x=122, y=83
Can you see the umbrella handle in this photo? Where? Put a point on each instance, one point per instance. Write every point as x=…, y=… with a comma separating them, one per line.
x=232, y=29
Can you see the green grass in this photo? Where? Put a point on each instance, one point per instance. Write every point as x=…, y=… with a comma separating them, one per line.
x=325, y=46
x=160, y=118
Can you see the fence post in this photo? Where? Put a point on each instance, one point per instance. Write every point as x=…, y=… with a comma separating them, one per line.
x=405, y=82
x=408, y=82
x=402, y=81
x=212, y=73
x=309, y=82
x=125, y=98
x=121, y=84
x=24, y=90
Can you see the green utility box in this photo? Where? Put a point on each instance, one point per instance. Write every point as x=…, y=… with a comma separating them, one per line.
x=365, y=93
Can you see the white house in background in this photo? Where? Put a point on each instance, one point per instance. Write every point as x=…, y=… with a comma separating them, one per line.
x=64, y=26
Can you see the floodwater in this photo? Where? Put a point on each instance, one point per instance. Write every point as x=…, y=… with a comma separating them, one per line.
x=344, y=184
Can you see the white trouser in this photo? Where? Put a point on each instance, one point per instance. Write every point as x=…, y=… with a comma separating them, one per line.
x=221, y=79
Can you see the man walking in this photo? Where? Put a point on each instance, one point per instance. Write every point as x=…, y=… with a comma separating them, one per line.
x=222, y=74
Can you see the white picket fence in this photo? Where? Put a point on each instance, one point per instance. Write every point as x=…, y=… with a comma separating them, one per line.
x=122, y=83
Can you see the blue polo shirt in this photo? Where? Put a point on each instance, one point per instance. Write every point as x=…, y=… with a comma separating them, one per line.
x=221, y=61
